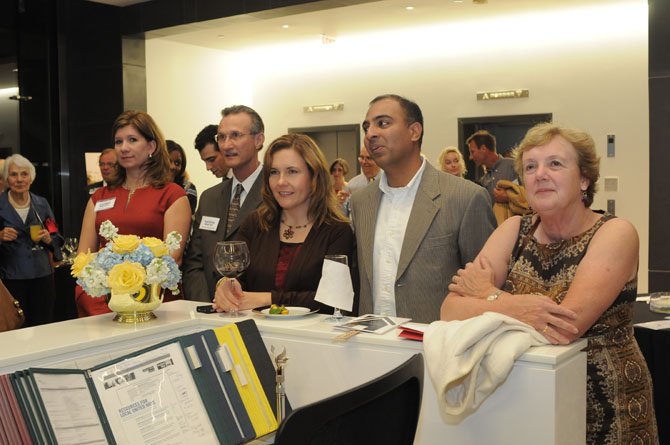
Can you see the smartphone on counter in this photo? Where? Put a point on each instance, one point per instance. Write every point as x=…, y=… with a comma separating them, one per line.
x=206, y=309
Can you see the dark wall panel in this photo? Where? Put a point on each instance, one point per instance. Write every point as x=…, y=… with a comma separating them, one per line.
x=659, y=145
x=659, y=38
x=91, y=93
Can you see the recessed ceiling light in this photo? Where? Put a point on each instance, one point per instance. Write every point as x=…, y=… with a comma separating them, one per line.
x=220, y=36
x=409, y=8
x=284, y=26
x=458, y=1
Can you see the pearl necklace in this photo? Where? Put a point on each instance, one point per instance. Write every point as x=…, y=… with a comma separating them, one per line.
x=289, y=232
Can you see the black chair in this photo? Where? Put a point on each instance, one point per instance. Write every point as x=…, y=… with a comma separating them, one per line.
x=384, y=410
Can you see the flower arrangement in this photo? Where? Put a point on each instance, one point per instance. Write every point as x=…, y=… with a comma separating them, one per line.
x=127, y=263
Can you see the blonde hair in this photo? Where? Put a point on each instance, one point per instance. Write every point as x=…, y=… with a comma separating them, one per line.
x=461, y=161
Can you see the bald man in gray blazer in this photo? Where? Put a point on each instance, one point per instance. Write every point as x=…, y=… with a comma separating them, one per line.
x=415, y=226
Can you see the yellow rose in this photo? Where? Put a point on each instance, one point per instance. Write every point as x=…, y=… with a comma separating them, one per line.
x=82, y=259
x=157, y=247
x=126, y=278
x=125, y=243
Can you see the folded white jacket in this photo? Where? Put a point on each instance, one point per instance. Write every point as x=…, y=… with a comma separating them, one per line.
x=467, y=360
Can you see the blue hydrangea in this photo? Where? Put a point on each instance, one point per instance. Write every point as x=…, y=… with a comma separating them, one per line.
x=141, y=255
x=106, y=259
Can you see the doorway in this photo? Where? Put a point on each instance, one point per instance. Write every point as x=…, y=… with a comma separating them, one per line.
x=336, y=141
x=508, y=130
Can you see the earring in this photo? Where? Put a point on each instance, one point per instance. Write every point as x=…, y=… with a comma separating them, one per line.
x=584, y=196
x=151, y=155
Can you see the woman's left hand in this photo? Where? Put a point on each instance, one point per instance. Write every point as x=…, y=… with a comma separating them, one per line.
x=45, y=236
x=475, y=281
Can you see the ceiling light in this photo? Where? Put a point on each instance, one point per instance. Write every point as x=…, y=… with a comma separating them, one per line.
x=409, y=8
x=284, y=26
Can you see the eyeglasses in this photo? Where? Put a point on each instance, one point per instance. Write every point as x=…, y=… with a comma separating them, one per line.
x=234, y=136
x=364, y=158
x=107, y=164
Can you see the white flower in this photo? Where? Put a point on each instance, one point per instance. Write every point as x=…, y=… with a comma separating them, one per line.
x=94, y=281
x=108, y=230
x=173, y=241
x=165, y=272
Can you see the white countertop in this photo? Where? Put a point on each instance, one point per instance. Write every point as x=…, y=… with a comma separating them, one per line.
x=39, y=345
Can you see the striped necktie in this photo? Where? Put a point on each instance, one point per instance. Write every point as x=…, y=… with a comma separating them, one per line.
x=234, y=208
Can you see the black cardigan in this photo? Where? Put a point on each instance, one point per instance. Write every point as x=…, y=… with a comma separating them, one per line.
x=302, y=278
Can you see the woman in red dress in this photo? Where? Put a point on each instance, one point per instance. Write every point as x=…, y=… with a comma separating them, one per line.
x=141, y=200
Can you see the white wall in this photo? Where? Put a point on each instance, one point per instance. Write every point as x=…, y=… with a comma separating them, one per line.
x=587, y=66
x=187, y=86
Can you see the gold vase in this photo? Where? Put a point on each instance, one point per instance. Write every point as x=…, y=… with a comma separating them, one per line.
x=137, y=307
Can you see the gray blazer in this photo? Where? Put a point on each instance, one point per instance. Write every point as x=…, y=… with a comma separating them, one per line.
x=450, y=221
x=199, y=275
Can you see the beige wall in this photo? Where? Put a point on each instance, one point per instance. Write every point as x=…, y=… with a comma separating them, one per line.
x=587, y=66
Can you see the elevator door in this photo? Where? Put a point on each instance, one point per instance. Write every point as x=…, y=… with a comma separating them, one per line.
x=337, y=141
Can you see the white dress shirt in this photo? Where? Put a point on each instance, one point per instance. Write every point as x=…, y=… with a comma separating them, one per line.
x=394, y=210
x=246, y=184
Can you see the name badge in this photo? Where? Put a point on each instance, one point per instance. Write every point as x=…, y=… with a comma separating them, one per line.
x=105, y=204
x=209, y=223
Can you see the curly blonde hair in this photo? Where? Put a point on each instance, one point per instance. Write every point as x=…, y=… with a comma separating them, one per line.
x=461, y=161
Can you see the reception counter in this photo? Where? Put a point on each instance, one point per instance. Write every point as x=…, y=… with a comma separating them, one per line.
x=542, y=401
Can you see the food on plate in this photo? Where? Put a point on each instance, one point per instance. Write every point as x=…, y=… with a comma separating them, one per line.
x=278, y=310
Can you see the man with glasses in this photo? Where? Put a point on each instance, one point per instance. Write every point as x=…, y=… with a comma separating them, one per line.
x=369, y=172
x=108, y=168
x=240, y=136
x=205, y=143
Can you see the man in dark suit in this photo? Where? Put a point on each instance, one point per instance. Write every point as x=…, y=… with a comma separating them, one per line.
x=416, y=226
x=222, y=208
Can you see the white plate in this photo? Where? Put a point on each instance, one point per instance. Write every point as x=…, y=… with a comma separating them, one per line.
x=293, y=312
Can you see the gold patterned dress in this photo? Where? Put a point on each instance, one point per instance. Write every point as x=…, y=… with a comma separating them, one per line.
x=619, y=405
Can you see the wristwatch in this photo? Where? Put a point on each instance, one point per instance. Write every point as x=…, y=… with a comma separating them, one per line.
x=494, y=296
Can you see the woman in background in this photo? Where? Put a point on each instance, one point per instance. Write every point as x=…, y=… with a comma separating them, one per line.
x=570, y=273
x=140, y=200
x=451, y=161
x=298, y=223
x=338, y=171
x=179, y=174
x=29, y=243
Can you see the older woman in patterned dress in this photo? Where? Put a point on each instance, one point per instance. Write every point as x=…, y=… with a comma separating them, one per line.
x=569, y=272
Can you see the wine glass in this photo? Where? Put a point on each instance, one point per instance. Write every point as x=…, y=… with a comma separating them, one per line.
x=69, y=249
x=35, y=235
x=337, y=314
x=231, y=258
